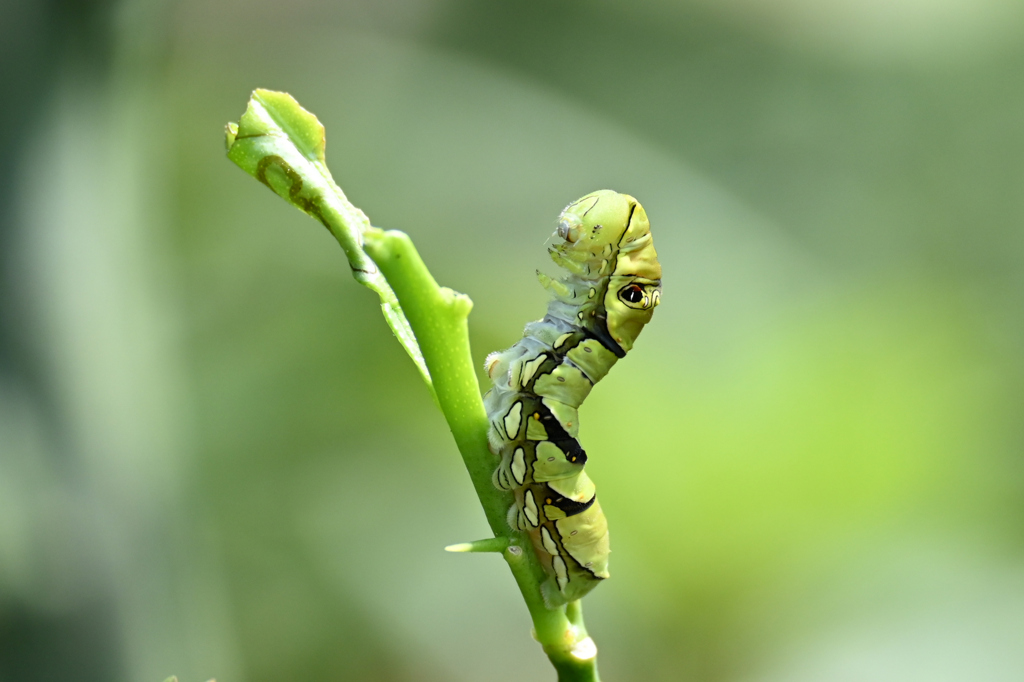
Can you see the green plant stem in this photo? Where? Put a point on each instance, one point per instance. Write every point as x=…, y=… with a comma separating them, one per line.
x=283, y=146
x=439, y=320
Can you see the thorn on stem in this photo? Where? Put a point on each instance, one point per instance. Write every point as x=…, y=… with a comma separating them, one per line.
x=485, y=545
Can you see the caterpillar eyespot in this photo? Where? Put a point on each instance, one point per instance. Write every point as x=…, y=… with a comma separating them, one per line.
x=607, y=251
x=632, y=294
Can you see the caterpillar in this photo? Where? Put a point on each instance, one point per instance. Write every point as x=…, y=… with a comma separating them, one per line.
x=598, y=310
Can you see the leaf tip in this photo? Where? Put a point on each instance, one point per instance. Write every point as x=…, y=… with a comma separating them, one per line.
x=301, y=125
x=230, y=133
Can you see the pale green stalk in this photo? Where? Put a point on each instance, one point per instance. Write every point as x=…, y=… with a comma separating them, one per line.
x=282, y=145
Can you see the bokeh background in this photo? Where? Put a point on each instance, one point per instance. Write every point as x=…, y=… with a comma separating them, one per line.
x=215, y=461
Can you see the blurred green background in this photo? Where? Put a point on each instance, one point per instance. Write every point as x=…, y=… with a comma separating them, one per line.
x=215, y=461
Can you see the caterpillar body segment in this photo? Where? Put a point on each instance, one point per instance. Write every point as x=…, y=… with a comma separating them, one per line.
x=609, y=293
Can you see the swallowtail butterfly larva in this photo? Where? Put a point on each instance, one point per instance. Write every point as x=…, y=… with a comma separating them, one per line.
x=600, y=306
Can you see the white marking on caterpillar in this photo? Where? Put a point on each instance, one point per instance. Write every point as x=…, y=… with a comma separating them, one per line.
x=519, y=466
x=549, y=543
x=513, y=419
x=561, y=574
x=530, y=368
x=531, y=508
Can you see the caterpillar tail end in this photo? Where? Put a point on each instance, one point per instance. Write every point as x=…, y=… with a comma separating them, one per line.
x=555, y=597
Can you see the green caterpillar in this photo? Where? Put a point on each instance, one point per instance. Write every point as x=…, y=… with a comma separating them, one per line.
x=599, y=309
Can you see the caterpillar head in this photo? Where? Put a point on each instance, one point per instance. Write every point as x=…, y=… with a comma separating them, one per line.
x=613, y=228
x=600, y=219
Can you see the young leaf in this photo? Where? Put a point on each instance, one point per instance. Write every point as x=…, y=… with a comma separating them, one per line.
x=282, y=145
